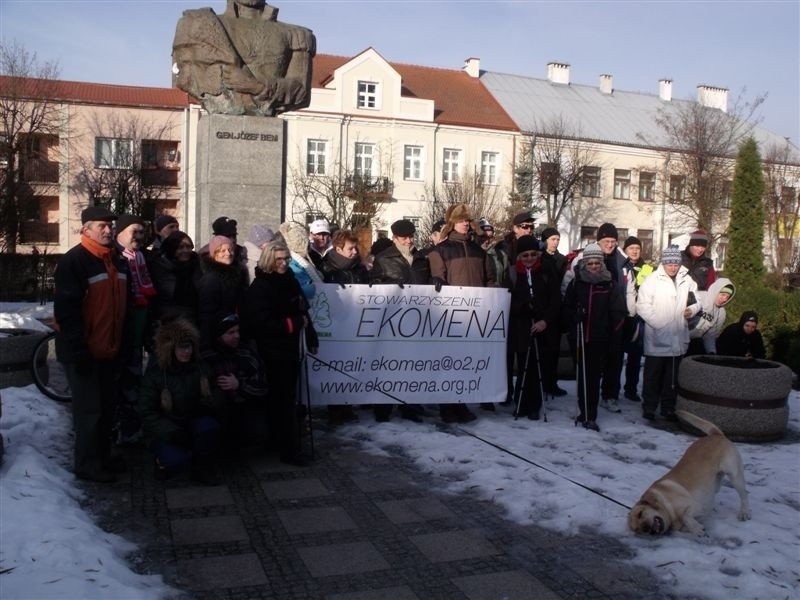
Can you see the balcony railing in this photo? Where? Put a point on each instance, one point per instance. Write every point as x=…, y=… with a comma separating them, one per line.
x=40, y=171
x=163, y=177
x=36, y=232
x=373, y=188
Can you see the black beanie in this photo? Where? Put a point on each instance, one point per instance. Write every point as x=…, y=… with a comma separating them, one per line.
x=607, y=230
x=549, y=232
x=632, y=241
x=527, y=243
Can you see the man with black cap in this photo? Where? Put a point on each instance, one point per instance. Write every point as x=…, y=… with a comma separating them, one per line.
x=90, y=308
x=400, y=263
x=522, y=224
x=164, y=225
x=695, y=259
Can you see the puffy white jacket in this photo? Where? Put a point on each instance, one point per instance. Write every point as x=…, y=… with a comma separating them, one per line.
x=711, y=318
x=661, y=303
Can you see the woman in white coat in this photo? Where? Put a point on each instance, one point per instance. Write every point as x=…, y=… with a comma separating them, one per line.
x=662, y=305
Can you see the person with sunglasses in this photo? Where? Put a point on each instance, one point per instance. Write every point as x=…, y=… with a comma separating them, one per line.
x=522, y=224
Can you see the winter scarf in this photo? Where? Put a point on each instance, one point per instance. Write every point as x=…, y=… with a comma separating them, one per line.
x=141, y=282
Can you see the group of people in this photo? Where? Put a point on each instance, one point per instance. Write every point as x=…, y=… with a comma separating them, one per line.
x=225, y=327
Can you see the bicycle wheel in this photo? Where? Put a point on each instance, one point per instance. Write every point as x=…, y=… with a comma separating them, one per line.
x=48, y=374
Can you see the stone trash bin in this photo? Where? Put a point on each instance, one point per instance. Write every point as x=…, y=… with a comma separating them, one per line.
x=16, y=351
x=746, y=398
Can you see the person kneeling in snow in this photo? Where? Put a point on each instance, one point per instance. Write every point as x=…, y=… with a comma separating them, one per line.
x=706, y=325
x=177, y=406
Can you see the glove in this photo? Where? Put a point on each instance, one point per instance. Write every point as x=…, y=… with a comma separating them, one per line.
x=342, y=285
x=400, y=284
x=437, y=286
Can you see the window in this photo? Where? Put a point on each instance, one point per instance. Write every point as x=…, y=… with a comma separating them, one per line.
x=548, y=179
x=725, y=193
x=113, y=153
x=412, y=162
x=622, y=184
x=722, y=252
x=367, y=94
x=451, y=165
x=588, y=235
x=677, y=185
x=646, y=237
x=363, y=165
x=489, y=162
x=647, y=186
x=315, y=157
x=591, y=182
x=149, y=154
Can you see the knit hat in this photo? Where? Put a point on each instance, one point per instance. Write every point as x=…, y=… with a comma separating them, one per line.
x=296, y=237
x=671, y=255
x=698, y=238
x=437, y=226
x=748, y=316
x=162, y=221
x=125, y=221
x=260, y=235
x=225, y=323
x=593, y=251
x=607, y=230
x=319, y=226
x=726, y=290
x=218, y=240
x=549, y=232
x=631, y=241
x=224, y=226
x=526, y=243
x=169, y=246
x=403, y=228
x=484, y=224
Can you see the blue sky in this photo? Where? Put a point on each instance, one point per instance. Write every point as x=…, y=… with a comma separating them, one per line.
x=738, y=45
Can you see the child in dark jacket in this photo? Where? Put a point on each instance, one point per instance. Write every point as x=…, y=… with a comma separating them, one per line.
x=177, y=406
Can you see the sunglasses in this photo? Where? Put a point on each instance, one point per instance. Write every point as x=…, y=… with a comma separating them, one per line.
x=526, y=226
x=593, y=263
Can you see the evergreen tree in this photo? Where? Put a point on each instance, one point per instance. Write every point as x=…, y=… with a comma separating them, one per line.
x=745, y=261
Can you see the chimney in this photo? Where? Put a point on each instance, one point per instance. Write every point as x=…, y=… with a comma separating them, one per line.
x=472, y=66
x=665, y=89
x=713, y=97
x=606, y=84
x=558, y=72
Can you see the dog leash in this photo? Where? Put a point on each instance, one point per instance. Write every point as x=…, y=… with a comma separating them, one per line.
x=492, y=444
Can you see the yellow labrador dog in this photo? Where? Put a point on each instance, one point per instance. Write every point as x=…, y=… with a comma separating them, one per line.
x=687, y=490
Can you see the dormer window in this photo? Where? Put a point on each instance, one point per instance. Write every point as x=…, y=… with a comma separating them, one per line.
x=368, y=94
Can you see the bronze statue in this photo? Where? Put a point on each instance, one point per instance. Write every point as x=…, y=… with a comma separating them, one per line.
x=243, y=61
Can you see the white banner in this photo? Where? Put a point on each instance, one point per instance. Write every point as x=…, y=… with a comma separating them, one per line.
x=383, y=344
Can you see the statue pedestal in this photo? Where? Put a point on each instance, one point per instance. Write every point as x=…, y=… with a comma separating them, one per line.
x=241, y=172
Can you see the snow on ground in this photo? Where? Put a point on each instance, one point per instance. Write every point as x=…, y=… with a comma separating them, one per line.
x=50, y=548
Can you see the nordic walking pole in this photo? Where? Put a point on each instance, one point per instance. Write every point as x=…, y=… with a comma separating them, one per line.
x=583, y=374
x=539, y=373
x=521, y=387
x=304, y=369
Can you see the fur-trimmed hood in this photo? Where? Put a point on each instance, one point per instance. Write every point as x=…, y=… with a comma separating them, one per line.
x=169, y=335
x=456, y=213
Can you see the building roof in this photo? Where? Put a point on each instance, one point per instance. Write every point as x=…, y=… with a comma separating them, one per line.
x=621, y=117
x=458, y=98
x=95, y=93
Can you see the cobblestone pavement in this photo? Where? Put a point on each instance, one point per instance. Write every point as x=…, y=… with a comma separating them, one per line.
x=352, y=526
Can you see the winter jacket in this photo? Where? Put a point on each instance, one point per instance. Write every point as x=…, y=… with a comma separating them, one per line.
x=176, y=283
x=242, y=363
x=637, y=275
x=173, y=393
x=597, y=304
x=306, y=274
x=537, y=299
x=660, y=304
x=338, y=269
x=733, y=341
x=390, y=266
x=617, y=264
x=707, y=324
x=219, y=293
x=92, y=295
x=701, y=269
x=460, y=261
x=272, y=314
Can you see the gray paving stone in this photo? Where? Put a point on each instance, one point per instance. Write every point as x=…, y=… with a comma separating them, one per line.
x=294, y=489
x=208, y=530
x=196, y=497
x=381, y=481
x=453, y=545
x=316, y=520
x=267, y=465
x=507, y=585
x=414, y=510
x=219, y=572
x=342, y=559
x=401, y=592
